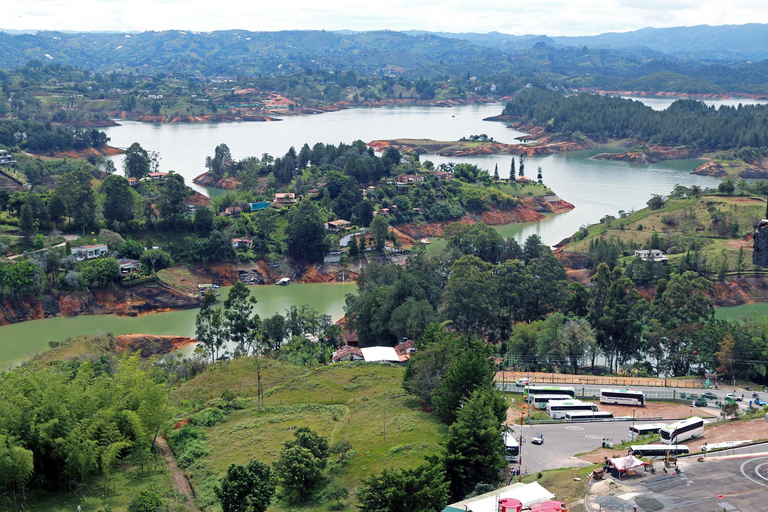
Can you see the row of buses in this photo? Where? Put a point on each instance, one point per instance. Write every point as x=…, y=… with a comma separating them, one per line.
x=560, y=402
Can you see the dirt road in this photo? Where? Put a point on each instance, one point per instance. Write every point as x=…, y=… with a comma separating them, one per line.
x=179, y=478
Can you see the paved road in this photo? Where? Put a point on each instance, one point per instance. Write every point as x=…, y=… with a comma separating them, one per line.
x=563, y=441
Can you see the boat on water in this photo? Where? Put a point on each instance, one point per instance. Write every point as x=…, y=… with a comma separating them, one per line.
x=425, y=241
x=284, y=281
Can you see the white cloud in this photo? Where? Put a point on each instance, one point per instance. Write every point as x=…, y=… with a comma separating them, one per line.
x=551, y=17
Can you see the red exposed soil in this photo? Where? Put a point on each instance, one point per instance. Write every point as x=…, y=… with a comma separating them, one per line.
x=222, y=274
x=105, y=151
x=653, y=155
x=153, y=298
x=543, y=147
x=198, y=199
x=225, y=183
x=312, y=274
x=713, y=169
x=149, y=345
x=212, y=118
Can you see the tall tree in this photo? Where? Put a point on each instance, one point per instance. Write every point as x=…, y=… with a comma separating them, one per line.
x=27, y=224
x=423, y=489
x=305, y=232
x=248, y=488
x=136, y=161
x=173, y=200
x=242, y=325
x=118, y=200
x=474, y=451
x=380, y=230
x=74, y=189
x=221, y=161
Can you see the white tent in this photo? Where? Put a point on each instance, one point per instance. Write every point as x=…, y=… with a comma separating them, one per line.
x=375, y=354
x=625, y=463
x=528, y=494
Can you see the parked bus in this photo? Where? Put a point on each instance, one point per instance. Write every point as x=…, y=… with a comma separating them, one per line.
x=622, y=397
x=511, y=447
x=540, y=401
x=557, y=408
x=682, y=430
x=588, y=415
x=550, y=390
x=644, y=429
x=658, y=450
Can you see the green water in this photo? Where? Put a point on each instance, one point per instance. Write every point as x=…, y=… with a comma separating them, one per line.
x=22, y=340
x=732, y=313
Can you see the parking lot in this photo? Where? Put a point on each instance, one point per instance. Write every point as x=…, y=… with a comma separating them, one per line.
x=736, y=483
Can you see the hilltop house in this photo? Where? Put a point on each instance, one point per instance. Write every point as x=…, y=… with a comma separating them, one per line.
x=652, y=255
x=334, y=226
x=241, y=243
x=285, y=198
x=89, y=252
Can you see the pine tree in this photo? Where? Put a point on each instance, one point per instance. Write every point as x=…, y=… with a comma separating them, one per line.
x=522, y=166
x=512, y=169
x=496, y=173
x=538, y=177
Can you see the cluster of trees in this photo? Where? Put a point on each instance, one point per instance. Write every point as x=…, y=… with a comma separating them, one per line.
x=76, y=420
x=686, y=122
x=43, y=137
x=236, y=325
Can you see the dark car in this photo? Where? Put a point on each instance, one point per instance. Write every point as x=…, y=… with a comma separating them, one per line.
x=709, y=395
x=537, y=439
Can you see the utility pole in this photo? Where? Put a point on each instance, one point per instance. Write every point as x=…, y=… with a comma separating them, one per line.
x=385, y=423
x=520, y=458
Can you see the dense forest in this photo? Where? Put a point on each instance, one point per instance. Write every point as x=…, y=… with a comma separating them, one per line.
x=685, y=123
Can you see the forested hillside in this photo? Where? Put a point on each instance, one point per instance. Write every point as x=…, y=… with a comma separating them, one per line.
x=685, y=122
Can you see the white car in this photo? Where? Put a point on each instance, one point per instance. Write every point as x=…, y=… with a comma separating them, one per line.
x=523, y=381
x=734, y=397
x=537, y=439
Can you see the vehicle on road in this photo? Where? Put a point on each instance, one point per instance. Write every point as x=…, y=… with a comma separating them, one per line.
x=556, y=409
x=709, y=395
x=550, y=390
x=644, y=429
x=622, y=397
x=588, y=415
x=511, y=447
x=759, y=402
x=682, y=430
x=657, y=450
x=541, y=401
x=523, y=381
x=734, y=397
x=537, y=439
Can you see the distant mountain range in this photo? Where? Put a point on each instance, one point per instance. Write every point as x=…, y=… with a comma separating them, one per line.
x=425, y=54
x=703, y=42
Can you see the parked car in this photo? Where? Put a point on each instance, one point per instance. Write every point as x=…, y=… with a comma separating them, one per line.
x=523, y=381
x=537, y=439
x=759, y=402
x=709, y=395
x=734, y=397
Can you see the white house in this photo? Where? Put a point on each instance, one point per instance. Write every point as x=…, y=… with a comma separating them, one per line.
x=88, y=252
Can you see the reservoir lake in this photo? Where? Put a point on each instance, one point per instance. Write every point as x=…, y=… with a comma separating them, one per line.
x=595, y=187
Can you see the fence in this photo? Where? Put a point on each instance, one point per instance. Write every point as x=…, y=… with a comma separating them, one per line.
x=670, y=395
x=560, y=378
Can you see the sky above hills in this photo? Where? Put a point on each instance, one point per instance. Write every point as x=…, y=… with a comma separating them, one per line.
x=550, y=17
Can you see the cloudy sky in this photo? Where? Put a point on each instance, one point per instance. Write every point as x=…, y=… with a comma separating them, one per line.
x=551, y=17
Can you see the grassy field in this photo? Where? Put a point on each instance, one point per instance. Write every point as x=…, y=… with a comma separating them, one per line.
x=562, y=483
x=686, y=221
x=342, y=401
x=732, y=313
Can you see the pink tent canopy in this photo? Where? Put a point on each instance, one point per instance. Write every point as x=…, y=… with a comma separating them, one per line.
x=625, y=463
x=548, y=506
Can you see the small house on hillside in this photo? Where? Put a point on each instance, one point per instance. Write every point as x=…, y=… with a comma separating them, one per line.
x=129, y=266
x=158, y=176
x=285, y=198
x=523, y=180
x=652, y=255
x=241, y=243
x=347, y=353
x=334, y=226
x=89, y=252
x=232, y=211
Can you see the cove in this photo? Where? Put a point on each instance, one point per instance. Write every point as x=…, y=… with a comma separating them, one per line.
x=22, y=340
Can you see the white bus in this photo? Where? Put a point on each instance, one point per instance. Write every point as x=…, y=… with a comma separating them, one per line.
x=657, y=450
x=644, y=429
x=550, y=390
x=511, y=447
x=588, y=415
x=622, y=397
x=540, y=401
x=557, y=408
x=682, y=430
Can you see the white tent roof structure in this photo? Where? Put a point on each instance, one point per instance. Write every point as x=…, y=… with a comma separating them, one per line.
x=375, y=354
x=528, y=494
x=628, y=462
